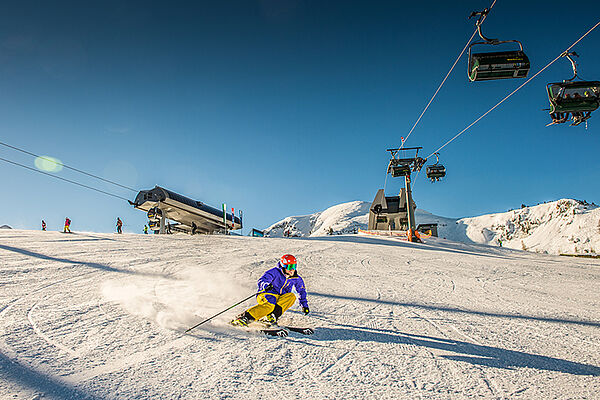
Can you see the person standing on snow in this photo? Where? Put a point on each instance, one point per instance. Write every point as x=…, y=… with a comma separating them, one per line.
x=275, y=293
x=145, y=229
x=43, y=225
x=119, y=225
x=67, y=225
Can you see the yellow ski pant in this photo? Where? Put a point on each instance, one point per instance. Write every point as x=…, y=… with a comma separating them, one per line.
x=263, y=307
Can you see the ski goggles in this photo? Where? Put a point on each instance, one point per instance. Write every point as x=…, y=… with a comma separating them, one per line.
x=289, y=267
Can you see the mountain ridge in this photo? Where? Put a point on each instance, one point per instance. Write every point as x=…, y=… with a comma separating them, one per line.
x=562, y=226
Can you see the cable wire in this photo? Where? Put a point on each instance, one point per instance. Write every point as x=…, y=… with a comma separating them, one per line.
x=478, y=24
x=66, y=166
x=63, y=179
x=516, y=90
x=447, y=75
x=438, y=89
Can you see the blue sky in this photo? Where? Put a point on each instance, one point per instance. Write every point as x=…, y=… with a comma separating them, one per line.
x=281, y=107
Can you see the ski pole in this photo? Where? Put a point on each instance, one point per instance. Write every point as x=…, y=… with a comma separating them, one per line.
x=227, y=309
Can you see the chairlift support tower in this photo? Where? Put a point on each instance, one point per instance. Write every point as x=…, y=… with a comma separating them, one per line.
x=403, y=167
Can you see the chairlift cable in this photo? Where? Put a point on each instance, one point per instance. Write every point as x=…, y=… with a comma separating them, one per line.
x=448, y=74
x=414, y=183
x=439, y=87
x=516, y=90
x=66, y=166
x=385, y=181
x=63, y=179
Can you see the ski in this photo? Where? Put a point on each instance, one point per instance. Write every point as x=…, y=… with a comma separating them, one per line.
x=281, y=332
x=304, y=331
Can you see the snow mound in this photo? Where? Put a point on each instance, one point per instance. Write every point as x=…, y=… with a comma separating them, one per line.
x=5, y=227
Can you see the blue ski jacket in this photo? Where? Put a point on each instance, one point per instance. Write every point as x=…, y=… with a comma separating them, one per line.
x=282, y=284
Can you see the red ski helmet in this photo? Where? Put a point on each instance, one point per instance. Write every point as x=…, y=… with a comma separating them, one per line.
x=288, y=262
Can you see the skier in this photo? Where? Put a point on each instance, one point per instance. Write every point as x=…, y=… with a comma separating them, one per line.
x=119, y=225
x=275, y=294
x=67, y=225
x=194, y=228
x=43, y=225
x=145, y=229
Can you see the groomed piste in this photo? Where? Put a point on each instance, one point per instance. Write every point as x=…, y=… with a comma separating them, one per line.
x=102, y=316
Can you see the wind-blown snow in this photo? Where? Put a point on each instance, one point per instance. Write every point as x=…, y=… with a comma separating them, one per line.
x=563, y=226
x=102, y=316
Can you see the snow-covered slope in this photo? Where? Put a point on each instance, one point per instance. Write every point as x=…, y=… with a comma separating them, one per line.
x=563, y=226
x=102, y=316
x=342, y=218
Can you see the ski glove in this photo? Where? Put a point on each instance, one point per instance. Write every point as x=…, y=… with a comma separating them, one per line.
x=267, y=287
x=305, y=310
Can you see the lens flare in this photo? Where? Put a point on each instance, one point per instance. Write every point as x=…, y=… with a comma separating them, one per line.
x=48, y=164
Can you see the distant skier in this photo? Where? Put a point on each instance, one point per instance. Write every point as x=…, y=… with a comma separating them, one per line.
x=145, y=229
x=43, y=225
x=119, y=225
x=194, y=228
x=275, y=293
x=67, y=225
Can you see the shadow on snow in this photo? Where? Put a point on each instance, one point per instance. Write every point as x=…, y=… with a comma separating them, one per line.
x=104, y=267
x=27, y=377
x=458, y=310
x=467, y=352
x=402, y=243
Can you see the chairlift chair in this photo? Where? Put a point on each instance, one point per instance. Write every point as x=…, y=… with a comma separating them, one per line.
x=404, y=166
x=498, y=65
x=400, y=170
x=154, y=214
x=486, y=66
x=574, y=97
x=154, y=225
x=436, y=171
x=578, y=98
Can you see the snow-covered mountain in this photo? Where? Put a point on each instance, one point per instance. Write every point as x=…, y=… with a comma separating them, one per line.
x=348, y=218
x=563, y=226
x=342, y=218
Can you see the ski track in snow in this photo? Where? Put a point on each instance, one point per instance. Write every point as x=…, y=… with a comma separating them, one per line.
x=102, y=316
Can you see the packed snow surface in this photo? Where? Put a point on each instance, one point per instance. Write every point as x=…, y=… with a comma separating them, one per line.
x=564, y=226
x=102, y=316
